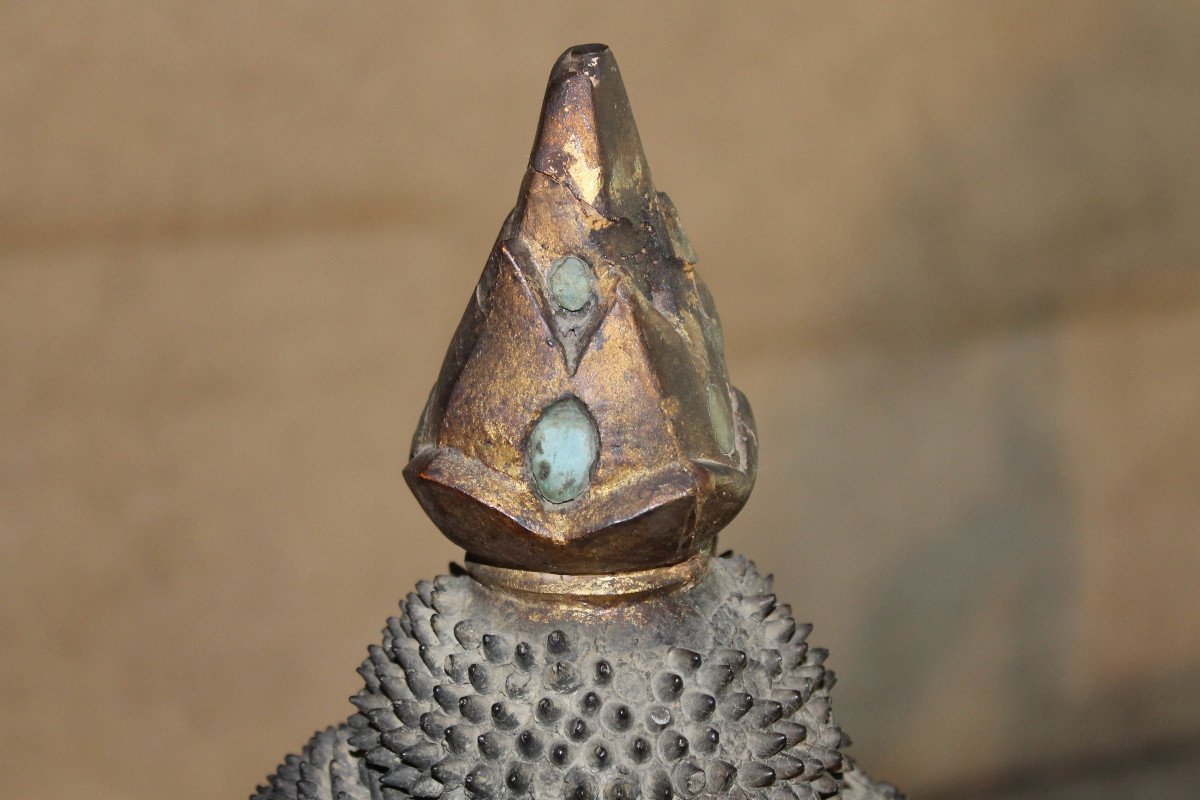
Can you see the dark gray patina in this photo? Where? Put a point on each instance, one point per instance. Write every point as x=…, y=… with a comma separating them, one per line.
x=478, y=692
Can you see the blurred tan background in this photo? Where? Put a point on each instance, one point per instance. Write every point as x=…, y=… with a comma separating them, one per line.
x=956, y=249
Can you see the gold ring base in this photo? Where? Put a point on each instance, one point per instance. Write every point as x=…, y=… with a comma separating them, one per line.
x=617, y=584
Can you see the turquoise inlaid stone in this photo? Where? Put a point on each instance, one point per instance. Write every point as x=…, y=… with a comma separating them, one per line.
x=721, y=416
x=571, y=282
x=563, y=447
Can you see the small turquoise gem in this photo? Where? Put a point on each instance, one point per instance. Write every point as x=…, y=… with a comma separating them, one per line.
x=571, y=282
x=563, y=447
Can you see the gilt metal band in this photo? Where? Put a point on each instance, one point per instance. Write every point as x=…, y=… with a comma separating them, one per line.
x=617, y=584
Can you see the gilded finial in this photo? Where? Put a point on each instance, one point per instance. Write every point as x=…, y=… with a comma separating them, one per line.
x=584, y=421
x=584, y=444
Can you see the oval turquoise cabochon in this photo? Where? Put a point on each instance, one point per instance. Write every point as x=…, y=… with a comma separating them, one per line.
x=563, y=447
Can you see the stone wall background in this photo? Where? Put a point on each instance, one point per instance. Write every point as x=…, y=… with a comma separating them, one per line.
x=955, y=248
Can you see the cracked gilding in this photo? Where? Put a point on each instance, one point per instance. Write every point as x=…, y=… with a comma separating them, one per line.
x=644, y=356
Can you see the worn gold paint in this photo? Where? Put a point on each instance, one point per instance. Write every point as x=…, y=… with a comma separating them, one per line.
x=646, y=358
x=569, y=588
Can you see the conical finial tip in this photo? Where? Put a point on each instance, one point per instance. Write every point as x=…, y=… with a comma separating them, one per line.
x=584, y=421
x=587, y=137
x=583, y=58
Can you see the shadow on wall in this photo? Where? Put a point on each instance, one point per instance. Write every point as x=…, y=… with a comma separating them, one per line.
x=993, y=584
